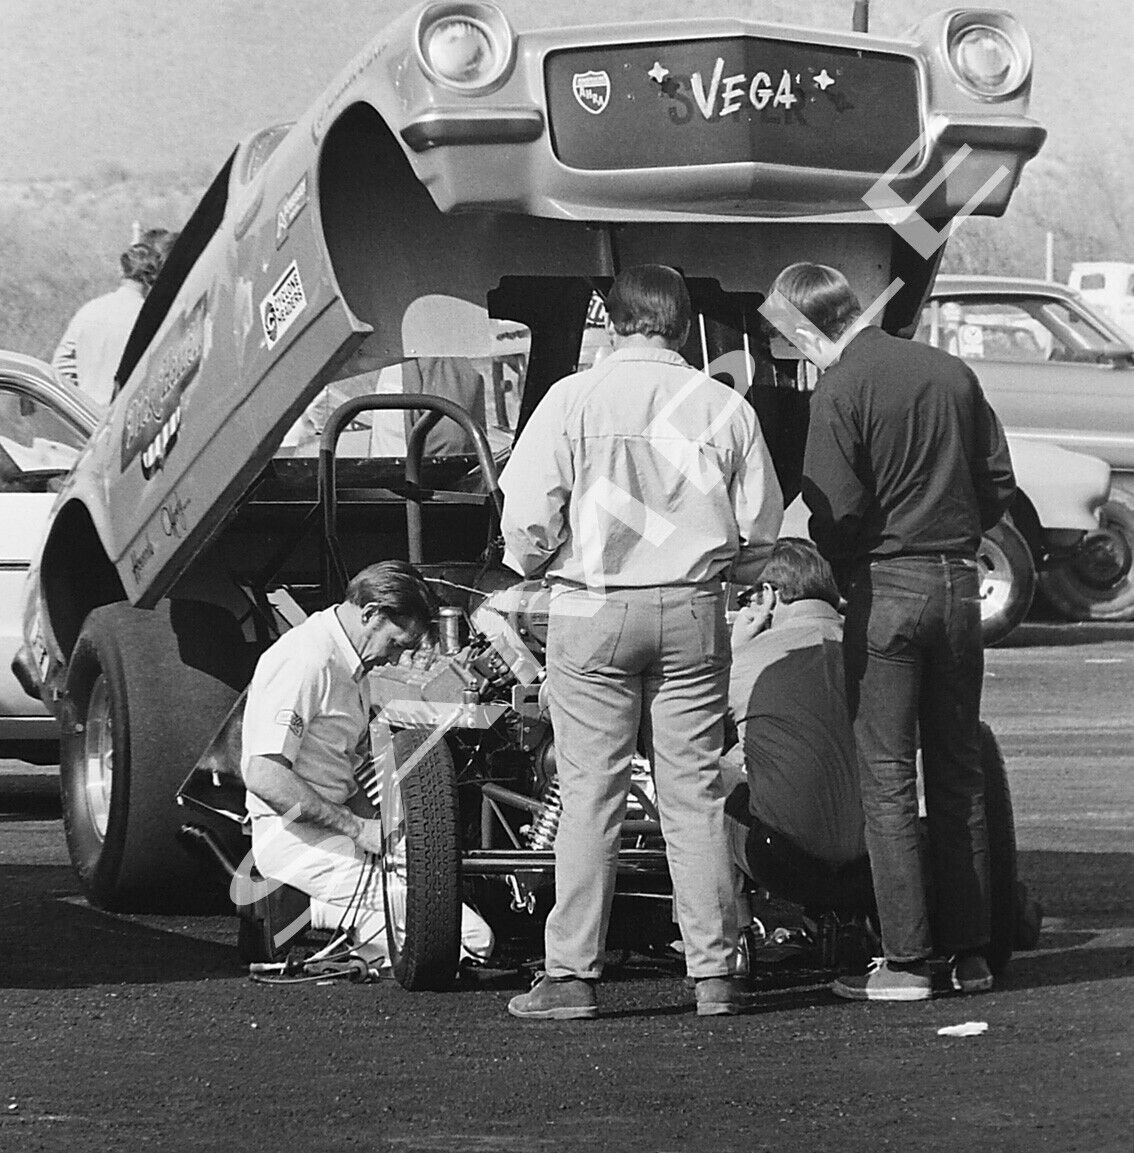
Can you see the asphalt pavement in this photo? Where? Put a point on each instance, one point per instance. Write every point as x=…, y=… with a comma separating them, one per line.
x=142, y=1032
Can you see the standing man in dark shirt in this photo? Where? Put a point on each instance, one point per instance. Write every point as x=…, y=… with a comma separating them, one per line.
x=906, y=465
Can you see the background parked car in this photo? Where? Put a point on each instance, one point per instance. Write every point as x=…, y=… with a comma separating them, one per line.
x=1108, y=287
x=1060, y=495
x=1057, y=373
x=43, y=427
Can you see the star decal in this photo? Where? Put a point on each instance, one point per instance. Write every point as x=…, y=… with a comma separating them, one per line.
x=823, y=81
x=658, y=73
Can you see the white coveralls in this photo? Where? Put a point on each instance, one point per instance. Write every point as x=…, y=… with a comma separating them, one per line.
x=309, y=702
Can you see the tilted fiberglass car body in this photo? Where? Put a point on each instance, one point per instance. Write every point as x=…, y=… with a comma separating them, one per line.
x=455, y=171
x=1056, y=373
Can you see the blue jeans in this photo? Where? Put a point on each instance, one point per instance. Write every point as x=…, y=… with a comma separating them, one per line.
x=915, y=660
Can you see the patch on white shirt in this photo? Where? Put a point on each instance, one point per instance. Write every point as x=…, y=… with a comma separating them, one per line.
x=291, y=719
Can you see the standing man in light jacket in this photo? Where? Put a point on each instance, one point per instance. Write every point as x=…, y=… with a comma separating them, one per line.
x=635, y=489
x=89, y=352
x=906, y=465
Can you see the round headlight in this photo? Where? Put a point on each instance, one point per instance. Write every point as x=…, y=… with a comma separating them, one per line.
x=985, y=58
x=991, y=58
x=465, y=46
x=460, y=51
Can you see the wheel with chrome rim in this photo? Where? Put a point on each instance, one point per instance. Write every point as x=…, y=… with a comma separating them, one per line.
x=146, y=690
x=1007, y=580
x=98, y=758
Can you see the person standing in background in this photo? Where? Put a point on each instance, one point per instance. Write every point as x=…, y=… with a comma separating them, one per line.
x=88, y=355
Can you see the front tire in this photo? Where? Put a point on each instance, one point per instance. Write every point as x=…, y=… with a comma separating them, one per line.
x=421, y=864
x=1007, y=580
x=1098, y=583
x=145, y=693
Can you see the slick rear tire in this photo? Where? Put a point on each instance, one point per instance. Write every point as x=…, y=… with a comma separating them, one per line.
x=421, y=865
x=1098, y=584
x=1003, y=890
x=146, y=690
x=1007, y=580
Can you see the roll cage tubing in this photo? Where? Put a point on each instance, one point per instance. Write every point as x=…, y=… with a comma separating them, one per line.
x=333, y=570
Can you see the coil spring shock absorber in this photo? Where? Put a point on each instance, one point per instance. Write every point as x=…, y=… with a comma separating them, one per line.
x=541, y=835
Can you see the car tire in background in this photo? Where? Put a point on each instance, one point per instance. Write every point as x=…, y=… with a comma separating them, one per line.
x=1098, y=584
x=1007, y=580
x=421, y=864
x=146, y=691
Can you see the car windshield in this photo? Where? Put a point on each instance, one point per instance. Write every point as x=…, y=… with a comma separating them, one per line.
x=1021, y=329
x=34, y=439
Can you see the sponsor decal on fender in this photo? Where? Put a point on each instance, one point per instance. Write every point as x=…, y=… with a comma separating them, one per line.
x=290, y=208
x=280, y=308
x=153, y=413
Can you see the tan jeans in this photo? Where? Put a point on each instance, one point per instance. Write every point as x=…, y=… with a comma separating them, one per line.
x=655, y=658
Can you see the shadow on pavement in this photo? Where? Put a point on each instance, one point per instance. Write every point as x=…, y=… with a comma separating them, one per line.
x=1068, y=966
x=29, y=794
x=1040, y=633
x=1071, y=884
x=53, y=943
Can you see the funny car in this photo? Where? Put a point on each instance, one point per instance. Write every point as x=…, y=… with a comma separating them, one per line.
x=456, y=172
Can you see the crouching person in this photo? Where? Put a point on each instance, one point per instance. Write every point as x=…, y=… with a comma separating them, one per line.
x=796, y=823
x=306, y=731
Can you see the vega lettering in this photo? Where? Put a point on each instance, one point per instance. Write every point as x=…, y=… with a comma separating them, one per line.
x=718, y=96
x=153, y=412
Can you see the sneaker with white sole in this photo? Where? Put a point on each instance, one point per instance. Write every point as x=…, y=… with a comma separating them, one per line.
x=970, y=974
x=882, y=983
x=556, y=999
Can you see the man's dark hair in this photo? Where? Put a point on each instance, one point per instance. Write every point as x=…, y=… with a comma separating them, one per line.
x=142, y=261
x=650, y=299
x=823, y=294
x=397, y=589
x=797, y=572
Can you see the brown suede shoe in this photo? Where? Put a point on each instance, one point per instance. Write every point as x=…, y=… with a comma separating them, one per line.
x=717, y=997
x=556, y=999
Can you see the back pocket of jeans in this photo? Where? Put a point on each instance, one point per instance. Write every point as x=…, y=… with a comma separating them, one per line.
x=583, y=637
x=712, y=628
